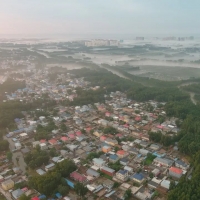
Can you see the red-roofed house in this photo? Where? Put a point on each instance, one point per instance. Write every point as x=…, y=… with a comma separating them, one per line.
x=107, y=114
x=71, y=136
x=119, y=135
x=35, y=198
x=126, y=125
x=103, y=138
x=88, y=129
x=64, y=139
x=78, y=133
x=138, y=119
x=52, y=142
x=122, y=153
x=43, y=141
x=175, y=172
x=78, y=177
x=159, y=126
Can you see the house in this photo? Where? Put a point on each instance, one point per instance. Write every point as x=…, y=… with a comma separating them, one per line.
x=181, y=164
x=8, y=184
x=103, y=138
x=92, y=173
x=129, y=169
x=121, y=153
x=17, y=193
x=52, y=142
x=138, y=177
x=113, y=158
x=122, y=175
x=111, y=142
x=156, y=172
x=64, y=139
x=143, y=152
x=18, y=145
x=108, y=170
x=163, y=162
x=49, y=167
x=144, y=144
x=154, y=147
x=106, y=149
x=35, y=144
x=23, y=136
x=165, y=184
x=98, y=162
x=175, y=172
x=124, y=161
x=78, y=177
x=98, y=133
x=43, y=146
x=40, y=172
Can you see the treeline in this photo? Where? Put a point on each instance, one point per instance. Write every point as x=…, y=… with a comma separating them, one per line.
x=143, y=93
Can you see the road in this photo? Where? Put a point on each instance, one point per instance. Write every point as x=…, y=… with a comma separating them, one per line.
x=6, y=194
x=190, y=93
x=18, y=154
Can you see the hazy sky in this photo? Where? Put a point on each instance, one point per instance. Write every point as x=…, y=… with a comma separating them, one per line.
x=30, y=17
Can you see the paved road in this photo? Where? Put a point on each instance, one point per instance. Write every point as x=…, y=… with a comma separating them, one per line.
x=21, y=164
x=6, y=194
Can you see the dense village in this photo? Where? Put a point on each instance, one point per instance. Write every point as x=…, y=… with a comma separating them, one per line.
x=110, y=143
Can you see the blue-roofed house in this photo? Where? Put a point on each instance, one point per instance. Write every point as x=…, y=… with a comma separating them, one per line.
x=138, y=177
x=124, y=161
x=113, y=158
x=42, y=196
x=122, y=175
x=58, y=195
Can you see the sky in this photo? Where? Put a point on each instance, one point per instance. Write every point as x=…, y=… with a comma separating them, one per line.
x=99, y=17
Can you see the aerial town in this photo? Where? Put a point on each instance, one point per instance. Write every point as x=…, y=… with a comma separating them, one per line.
x=111, y=145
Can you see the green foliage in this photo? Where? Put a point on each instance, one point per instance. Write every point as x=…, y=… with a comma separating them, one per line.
x=116, y=166
x=127, y=194
x=9, y=155
x=110, y=130
x=36, y=158
x=4, y=145
x=116, y=185
x=149, y=159
x=53, y=180
x=63, y=190
x=163, y=139
x=20, y=185
x=92, y=155
x=65, y=167
x=24, y=197
x=80, y=189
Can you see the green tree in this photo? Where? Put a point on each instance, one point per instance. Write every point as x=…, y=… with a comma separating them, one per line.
x=127, y=194
x=9, y=155
x=24, y=197
x=80, y=190
x=63, y=189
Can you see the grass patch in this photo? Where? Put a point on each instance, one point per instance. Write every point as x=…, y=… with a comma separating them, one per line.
x=149, y=159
